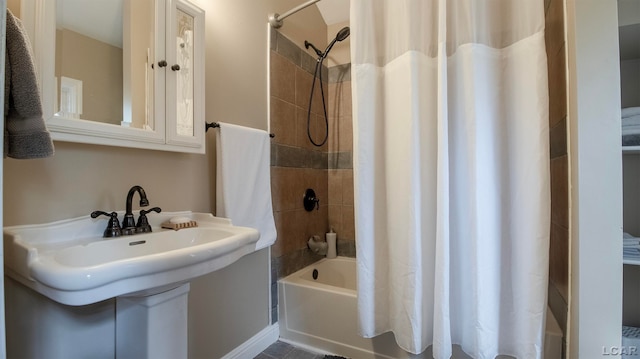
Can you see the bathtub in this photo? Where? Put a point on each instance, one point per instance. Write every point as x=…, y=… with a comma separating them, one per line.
x=320, y=315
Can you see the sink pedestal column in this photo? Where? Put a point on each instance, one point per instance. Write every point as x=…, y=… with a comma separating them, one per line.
x=153, y=326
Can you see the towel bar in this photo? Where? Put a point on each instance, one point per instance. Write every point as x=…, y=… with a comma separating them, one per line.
x=209, y=125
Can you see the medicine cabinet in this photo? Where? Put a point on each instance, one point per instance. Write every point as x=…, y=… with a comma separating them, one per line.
x=126, y=73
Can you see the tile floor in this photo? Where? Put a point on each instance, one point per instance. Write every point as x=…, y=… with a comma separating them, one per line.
x=282, y=350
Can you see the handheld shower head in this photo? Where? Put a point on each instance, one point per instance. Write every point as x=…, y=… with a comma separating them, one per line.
x=343, y=33
x=340, y=36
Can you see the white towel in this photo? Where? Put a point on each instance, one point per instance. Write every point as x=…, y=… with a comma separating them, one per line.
x=631, y=253
x=630, y=111
x=630, y=241
x=243, y=190
x=631, y=125
x=631, y=121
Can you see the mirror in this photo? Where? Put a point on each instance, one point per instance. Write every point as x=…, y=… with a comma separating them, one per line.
x=95, y=63
x=103, y=56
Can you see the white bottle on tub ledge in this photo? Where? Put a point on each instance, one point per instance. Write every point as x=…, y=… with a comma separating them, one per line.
x=331, y=244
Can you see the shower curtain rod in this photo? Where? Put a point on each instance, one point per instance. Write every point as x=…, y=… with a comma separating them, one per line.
x=276, y=19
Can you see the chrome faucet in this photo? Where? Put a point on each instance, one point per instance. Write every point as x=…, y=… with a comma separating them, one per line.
x=129, y=223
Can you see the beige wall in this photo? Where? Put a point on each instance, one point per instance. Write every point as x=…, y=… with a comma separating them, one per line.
x=137, y=45
x=99, y=66
x=82, y=178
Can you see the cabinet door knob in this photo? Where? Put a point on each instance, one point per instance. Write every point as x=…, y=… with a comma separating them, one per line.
x=162, y=63
x=175, y=67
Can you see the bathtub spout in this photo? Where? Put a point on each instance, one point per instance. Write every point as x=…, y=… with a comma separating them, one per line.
x=317, y=246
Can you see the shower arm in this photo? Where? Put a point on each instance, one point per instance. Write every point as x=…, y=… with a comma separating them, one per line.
x=276, y=19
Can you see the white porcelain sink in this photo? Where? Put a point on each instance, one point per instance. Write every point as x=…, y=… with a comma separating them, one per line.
x=69, y=261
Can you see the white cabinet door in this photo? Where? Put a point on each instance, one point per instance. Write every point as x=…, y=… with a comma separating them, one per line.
x=185, y=74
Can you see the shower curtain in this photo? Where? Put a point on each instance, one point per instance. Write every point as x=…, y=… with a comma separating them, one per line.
x=451, y=166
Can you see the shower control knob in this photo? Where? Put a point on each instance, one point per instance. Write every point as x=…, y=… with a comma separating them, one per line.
x=310, y=200
x=175, y=67
x=162, y=63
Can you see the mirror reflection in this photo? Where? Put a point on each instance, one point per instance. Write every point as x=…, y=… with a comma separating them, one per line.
x=103, y=59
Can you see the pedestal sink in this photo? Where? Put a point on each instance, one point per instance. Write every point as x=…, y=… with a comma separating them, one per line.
x=148, y=274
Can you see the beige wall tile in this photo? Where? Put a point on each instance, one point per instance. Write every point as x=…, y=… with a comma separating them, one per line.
x=284, y=122
x=276, y=189
x=317, y=130
x=291, y=231
x=303, y=87
x=288, y=186
x=557, y=87
x=560, y=192
x=348, y=223
x=320, y=132
x=347, y=187
x=558, y=265
x=345, y=136
x=333, y=106
x=558, y=139
x=345, y=99
x=335, y=218
x=554, y=27
x=303, y=91
x=334, y=134
x=301, y=137
x=283, y=78
x=335, y=187
x=340, y=99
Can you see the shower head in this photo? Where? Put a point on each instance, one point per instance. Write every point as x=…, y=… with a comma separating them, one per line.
x=343, y=33
x=340, y=36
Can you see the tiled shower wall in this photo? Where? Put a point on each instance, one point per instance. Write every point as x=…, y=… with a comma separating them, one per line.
x=296, y=164
x=559, y=246
x=340, y=172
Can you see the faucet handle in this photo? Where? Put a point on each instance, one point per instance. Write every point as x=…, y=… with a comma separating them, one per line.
x=113, y=226
x=143, y=225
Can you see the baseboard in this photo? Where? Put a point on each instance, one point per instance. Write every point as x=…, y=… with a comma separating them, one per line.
x=256, y=344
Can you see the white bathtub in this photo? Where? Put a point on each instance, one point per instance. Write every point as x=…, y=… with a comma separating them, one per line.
x=321, y=315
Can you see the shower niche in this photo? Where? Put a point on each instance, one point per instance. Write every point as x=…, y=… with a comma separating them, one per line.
x=121, y=73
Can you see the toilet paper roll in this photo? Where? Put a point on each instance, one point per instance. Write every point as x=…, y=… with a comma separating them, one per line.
x=331, y=245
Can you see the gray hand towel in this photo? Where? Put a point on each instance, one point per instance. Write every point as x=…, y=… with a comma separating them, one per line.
x=26, y=135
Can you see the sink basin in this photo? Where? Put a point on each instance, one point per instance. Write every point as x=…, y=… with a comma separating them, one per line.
x=69, y=261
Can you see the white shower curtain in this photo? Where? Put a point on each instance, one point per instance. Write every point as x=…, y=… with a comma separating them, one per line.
x=451, y=166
